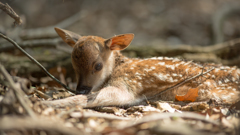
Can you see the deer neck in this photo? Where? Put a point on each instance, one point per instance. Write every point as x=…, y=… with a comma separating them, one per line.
x=119, y=59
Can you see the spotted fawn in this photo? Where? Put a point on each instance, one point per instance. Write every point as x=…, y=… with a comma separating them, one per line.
x=107, y=78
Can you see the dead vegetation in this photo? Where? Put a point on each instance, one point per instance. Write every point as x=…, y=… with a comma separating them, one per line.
x=22, y=113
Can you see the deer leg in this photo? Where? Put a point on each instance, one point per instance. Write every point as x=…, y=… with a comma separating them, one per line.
x=80, y=100
x=105, y=97
x=111, y=96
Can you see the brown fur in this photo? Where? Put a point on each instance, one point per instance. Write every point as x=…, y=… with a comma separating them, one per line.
x=125, y=81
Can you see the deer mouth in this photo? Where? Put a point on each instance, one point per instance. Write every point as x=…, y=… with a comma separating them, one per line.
x=83, y=90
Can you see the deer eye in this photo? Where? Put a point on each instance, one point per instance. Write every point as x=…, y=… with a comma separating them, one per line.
x=98, y=66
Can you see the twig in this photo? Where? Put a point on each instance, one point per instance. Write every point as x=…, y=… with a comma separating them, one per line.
x=10, y=123
x=18, y=92
x=32, y=43
x=159, y=116
x=97, y=115
x=43, y=95
x=184, y=81
x=35, y=61
x=6, y=8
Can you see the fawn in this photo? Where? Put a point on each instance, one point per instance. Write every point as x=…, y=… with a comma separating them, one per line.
x=106, y=78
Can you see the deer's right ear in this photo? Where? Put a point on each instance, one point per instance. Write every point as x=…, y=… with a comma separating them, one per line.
x=69, y=37
x=119, y=42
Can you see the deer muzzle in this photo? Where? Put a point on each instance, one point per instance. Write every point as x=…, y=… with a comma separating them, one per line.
x=83, y=90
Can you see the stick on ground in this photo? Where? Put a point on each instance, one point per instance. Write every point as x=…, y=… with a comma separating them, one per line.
x=18, y=92
x=35, y=61
x=6, y=8
x=184, y=81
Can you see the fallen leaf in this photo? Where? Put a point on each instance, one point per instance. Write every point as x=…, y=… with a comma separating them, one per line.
x=191, y=96
x=165, y=107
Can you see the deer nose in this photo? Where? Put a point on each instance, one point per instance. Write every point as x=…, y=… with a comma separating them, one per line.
x=83, y=90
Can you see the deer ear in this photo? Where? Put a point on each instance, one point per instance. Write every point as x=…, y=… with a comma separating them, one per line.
x=119, y=42
x=69, y=37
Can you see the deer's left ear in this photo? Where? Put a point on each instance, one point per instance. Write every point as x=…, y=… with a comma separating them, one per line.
x=69, y=37
x=119, y=42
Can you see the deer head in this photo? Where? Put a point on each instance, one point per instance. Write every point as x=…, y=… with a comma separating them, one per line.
x=92, y=57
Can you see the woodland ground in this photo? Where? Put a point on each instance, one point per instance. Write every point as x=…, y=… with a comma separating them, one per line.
x=162, y=28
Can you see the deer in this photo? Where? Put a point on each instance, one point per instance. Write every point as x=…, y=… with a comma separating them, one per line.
x=107, y=78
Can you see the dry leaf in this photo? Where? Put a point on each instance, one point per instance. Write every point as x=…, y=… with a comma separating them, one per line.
x=191, y=96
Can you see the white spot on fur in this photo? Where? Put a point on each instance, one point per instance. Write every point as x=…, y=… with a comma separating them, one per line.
x=176, y=60
x=153, y=67
x=208, y=83
x=168, y=58
x=170, y=79
x=186, y=63
x=161, y=76
x=137, y=73
x=234, y=89
x=238, y=71
x=140, y=84
x=237, y=76
x=140, y=78
x=154, y=58
x=182, y=62
x=147, y=70
x=174, y=74
x=176, y=65
x=161, y=63
x=213, y=76
x=129, y=61
x=226, y=80
x=229, y=87
x=170, y=66
x=219, y=82
x=157, y=58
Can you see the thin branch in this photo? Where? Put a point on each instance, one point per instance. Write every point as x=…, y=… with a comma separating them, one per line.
x=6, y=8
x=41, y=94
x=18, y=92
x=52, y=43
x=181, y=83
x=10, y=123
x=160, y=116
x=35, y=61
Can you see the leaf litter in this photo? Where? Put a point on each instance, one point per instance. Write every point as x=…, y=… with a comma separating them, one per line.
x=183, y=116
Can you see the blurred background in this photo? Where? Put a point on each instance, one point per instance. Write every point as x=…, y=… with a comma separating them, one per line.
x=152, y=21
x=157, y=25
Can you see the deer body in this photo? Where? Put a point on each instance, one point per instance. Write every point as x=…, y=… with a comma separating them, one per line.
x=114, y=79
